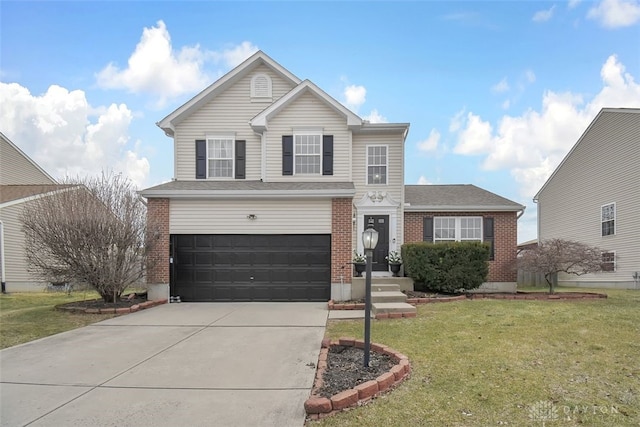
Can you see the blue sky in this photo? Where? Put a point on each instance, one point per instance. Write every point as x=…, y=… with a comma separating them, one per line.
x=496, y=92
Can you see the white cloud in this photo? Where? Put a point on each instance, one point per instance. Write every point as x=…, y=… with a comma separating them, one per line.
x=66, y=136
x=375, y=117
x=616, y=13
x=544, y=15
x=431, y=143
x=424, y=181
x=530, y=76
x=235, y=55
x=506, y=104
x=501, y=86
x=156, y=68
x=355, y=96
x=475, y=137
x=533, y=144
x=574, y=3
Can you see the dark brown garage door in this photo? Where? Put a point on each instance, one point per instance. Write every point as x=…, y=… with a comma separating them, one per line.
x=242, y=267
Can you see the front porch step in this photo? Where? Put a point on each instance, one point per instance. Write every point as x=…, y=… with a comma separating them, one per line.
x=392, y=307
x=388, y=296
x=384, y=287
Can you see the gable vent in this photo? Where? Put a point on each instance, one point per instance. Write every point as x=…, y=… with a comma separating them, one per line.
x=261, y=86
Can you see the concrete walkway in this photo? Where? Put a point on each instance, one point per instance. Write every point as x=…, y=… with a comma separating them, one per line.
x=204, y=364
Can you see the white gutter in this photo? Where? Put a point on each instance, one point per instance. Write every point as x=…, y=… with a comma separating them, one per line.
x=2, y=279
x=454, y=208
x=243, y=194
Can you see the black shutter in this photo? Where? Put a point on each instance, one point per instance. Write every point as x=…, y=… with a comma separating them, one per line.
x=201, y=159
x=287, y=155
x=427, y=229
x=487, y=226
x=241, y=152
x=327, y=155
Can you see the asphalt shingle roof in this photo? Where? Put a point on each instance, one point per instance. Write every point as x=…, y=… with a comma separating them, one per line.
x=466, y=196
x=9, y=193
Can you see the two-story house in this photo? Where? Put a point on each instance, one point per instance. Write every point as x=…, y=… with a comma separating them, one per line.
x=21, y=181
x=275, y=181
x=593, y=197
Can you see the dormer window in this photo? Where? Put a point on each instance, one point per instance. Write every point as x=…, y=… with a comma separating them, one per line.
x=261, y=88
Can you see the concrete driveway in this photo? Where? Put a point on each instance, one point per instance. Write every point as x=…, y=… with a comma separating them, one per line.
x=198, y=364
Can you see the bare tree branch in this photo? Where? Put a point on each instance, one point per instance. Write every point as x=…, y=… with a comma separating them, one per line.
x=557, y=255
x=91, y=231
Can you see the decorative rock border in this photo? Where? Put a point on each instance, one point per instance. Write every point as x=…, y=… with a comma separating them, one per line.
x=318, y=407
x=121, y=310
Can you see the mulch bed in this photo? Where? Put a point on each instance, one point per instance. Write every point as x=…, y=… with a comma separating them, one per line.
x=417, y=294
x=345, y=369
x=126, y=304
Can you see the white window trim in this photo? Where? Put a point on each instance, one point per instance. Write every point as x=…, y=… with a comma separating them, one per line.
x=458, y=229
x=615, y=222
x=614, y=261
x=257, y=98
x=295, y=156
x=233, y=156
x=366, y=167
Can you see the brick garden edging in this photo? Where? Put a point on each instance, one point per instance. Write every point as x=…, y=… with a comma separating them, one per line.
x=540, y=296
x=318, y=407
x=121, y=310
x=416, y=301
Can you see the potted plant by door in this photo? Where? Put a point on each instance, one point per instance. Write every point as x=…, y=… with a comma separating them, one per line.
x=360, y=263
x=395, y=262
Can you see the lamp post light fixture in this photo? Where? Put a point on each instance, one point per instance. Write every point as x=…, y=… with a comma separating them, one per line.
x=369, y=240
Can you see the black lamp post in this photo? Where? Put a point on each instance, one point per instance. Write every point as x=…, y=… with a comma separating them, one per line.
x=369, y=240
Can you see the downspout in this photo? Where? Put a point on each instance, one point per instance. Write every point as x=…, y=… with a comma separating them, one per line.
x=2, y=277
x=521, y=213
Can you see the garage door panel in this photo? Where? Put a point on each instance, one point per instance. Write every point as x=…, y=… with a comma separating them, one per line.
x=252, y=267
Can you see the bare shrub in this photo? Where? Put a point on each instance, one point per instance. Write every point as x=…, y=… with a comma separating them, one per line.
x=92, y=230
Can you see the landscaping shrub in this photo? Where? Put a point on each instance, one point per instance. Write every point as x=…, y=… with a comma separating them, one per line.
x=447, y=267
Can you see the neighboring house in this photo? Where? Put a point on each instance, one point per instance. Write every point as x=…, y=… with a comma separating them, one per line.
x=593, y=197
x=21, y=181
x=275, y=181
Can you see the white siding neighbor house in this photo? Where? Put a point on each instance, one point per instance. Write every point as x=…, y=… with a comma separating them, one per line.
x=274, y=183
x=594, y=197
x=21, y=181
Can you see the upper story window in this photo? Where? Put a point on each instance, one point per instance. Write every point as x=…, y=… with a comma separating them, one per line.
x=261, y=87
x=608, y=219
x=608, y=261
x=220, y=157
x=377, y=164
x=307, y=153
x=456, y=229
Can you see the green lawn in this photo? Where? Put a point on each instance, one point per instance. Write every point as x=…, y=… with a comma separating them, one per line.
x=497, y=362
x=28, y=316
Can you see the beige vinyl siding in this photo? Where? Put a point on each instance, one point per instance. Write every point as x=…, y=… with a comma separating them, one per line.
x=15, y=169
x=229, y=112
x=309, y=111
x=284, y=216
x=395, y=172
x=603, y=168
x=16, y=272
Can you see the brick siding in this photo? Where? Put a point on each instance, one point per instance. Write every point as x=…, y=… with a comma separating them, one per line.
x=158, y=226
x=341, y=234
x=505, y=229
